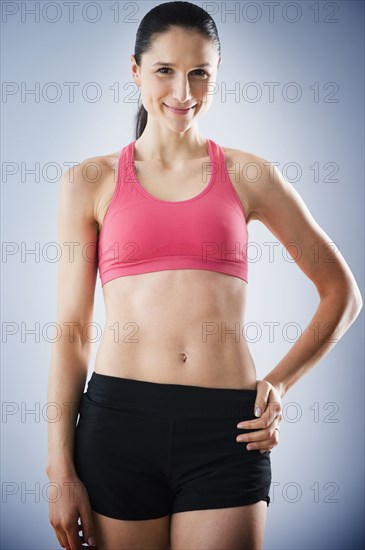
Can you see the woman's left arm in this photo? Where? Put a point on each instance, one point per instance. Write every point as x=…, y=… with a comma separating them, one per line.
x=283, y=211
x=276, y=203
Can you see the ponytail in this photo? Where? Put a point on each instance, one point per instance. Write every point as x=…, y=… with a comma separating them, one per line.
x=141, y=121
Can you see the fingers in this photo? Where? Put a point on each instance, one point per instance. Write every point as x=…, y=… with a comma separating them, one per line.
x=264, y=439
x=266, y=436
x=60, y=538
x=270, y=418
x=267, y=404
x=73, y=536
x=263, y=391
x=270, y=443
x=87, y=525
x=267, y=397
x=67, y=534
x=60, y=533
x=71, y=514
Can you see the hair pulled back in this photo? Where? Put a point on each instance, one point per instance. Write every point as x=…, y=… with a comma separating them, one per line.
x=159, y=20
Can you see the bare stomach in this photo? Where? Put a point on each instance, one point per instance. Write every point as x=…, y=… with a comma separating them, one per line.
x=177, y=327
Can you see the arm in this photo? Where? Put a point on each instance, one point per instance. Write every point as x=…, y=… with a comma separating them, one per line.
x=275, y=202
x=75, y=301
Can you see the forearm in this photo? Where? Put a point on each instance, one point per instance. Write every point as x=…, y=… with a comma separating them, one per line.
x=67, y=377
x=330, y=322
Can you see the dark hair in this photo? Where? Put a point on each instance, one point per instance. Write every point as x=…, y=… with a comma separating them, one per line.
x=160, y=19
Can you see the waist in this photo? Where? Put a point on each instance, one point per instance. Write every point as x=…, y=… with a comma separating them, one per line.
x=185, y=326
x=158, y=399
x=229, y=366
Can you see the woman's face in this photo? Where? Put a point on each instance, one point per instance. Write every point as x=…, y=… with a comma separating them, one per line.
x=181, y=84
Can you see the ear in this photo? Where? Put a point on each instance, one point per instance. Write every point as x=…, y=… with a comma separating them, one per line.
x=135, y=70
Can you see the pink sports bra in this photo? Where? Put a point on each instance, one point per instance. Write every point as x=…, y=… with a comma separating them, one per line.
x=142, y=233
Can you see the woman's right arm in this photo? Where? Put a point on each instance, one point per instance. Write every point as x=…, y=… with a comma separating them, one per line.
x=77, y=238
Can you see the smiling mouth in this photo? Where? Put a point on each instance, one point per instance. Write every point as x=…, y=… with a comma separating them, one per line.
x=180, y=109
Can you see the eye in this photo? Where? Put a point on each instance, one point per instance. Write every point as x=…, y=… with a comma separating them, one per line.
x=196, y=70
x=162, y=69
x=201, y=70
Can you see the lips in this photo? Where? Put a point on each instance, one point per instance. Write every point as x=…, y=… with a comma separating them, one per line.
x=179, y=109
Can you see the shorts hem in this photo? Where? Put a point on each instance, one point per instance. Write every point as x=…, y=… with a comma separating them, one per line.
x=214, y=506
x=128, y=517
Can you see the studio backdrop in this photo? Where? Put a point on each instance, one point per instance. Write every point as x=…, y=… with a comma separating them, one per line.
x=291, y=90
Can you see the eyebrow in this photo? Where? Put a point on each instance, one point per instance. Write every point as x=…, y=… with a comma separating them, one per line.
x=172, y=65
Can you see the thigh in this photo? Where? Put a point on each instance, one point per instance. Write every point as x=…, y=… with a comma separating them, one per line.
x=114, y=534
x=210, y=470
x=123, y=459
x=235, y=528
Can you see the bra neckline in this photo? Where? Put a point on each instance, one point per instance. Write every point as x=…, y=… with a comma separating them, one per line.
x=147, y=194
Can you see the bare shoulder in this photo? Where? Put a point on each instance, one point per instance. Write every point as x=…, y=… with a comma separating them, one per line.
x=247, y=171
x=94, y=171
x=92, y=183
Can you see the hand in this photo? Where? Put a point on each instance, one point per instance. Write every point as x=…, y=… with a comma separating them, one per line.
x=69, y=502
x=269, y=401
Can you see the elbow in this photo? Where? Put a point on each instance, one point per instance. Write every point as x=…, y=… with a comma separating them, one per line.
x=358, y=306
x=357, y=300
x=347, y=297
x=354, y=303
x=342, y=292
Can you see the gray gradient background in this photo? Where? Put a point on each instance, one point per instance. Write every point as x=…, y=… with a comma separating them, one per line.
x=318, y=467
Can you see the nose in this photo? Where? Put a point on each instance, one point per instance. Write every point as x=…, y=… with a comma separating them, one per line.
x=181, y=90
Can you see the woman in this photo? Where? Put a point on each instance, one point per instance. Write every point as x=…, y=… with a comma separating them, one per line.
x=155, y=460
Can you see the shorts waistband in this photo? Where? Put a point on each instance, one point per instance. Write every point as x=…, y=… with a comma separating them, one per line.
x=159, y=399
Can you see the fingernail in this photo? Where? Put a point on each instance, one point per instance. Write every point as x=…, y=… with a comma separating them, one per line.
x=91, y=541
x=257, y=411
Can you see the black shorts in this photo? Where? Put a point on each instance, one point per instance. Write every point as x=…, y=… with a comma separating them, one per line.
x=145, y=450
